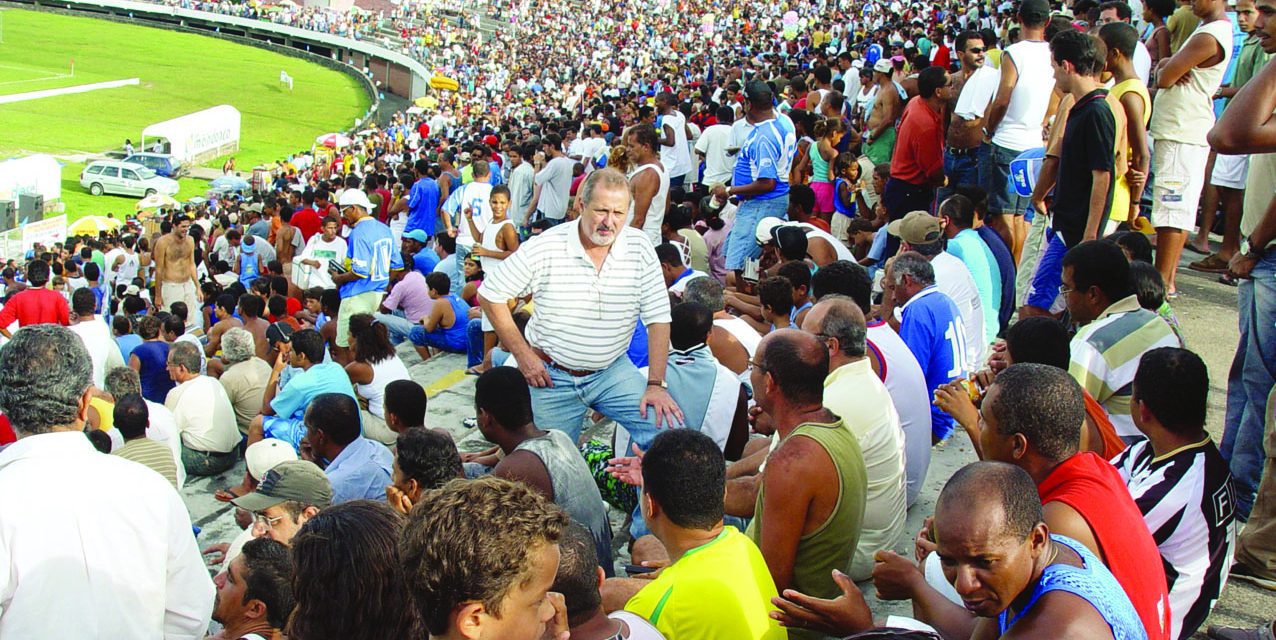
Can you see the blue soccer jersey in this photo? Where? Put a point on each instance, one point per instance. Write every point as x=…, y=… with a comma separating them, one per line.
x=931, y=326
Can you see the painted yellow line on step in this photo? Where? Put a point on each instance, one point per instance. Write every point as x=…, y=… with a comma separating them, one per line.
x=444, y=383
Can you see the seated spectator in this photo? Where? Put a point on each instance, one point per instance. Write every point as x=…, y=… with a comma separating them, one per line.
x=254, y=594
x=986, y=510
x=175, y=332
x=224, y=311
x=1149, y=288
x=480, y=557
x=674, y=268
x=424, y=258
x=150, y=360
x=333, y=601
x=546, y=460
x=424, y=460
x=733, y=341
x=1032, y=416
x=289, y=495
x=854, y=393
x=245, y=376
x=892, y=361
x=444, y=328
x=375, y=366
x=775, y=300
x=251, y=308
x=205, y=418
x=405, y=405
x=711, y=566
x=161, y=425
x=125, y=339
x=96, y=336
x=1039, y=340
x=1115, y=331
x=1178, y=479
x=930, y=325
x=958, y=216
x=579, y=580
x=277, y=307
x=282, y=410
x=131, y=419
x=358, y=468
x=448, y=265
x=408, y=303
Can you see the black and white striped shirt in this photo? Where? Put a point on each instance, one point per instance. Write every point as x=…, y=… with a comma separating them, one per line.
x=583, y=317
x=1186, y=497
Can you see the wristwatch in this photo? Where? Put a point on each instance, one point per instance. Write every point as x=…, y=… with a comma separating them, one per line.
x=658, y=383
x=1250, y=250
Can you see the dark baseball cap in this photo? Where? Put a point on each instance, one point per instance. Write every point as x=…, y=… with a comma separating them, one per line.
x=1034, y=11
x=758, y=91
x=278, y=332
x=297, y=480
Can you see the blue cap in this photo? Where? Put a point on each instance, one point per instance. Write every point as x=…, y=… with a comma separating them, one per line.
x=418, y=235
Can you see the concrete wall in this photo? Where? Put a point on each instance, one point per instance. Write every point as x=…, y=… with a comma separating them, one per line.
x=392, y=72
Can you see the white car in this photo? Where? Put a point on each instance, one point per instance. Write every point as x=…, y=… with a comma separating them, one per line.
x=124, y=178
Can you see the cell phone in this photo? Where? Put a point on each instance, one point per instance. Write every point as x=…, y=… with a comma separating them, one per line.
x=337, y=266
x=637, y=569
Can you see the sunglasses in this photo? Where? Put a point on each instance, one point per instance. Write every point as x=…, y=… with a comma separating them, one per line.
x=976, y=50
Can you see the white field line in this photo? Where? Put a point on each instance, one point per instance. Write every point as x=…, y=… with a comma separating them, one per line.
x=56, y=76
x=81, y=88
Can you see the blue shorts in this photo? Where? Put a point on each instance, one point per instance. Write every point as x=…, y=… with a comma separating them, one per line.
x=1002, y=197
x=290, y=430
x=1048, y=277
x=742, y=243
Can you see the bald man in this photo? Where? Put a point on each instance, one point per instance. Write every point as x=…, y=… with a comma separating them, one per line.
x=809, y=503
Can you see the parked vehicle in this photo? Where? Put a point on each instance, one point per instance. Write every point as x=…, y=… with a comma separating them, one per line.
x=124, y=178
x=161, y=163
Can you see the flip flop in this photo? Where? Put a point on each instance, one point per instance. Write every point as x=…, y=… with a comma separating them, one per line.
x=226, y=495
x=1228, y=280
x=1193, y=249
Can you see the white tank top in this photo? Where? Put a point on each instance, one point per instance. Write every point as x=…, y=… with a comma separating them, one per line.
x=656, y=211
x=490, y=234
x=1020, y=129
x=1185, y=112
x=128, y=269
x=383, y=373
x=843, y=253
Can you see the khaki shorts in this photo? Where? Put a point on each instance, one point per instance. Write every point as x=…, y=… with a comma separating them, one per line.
x=367, y=302
x=171, y=292
x=375, y=428
x=1178, y=174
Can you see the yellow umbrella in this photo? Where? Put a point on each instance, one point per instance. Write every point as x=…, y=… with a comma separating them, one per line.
x=156, y=201
x=92, y=225
x=427, y=102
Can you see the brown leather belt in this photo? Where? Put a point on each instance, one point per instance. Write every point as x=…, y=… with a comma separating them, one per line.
x=575, y=373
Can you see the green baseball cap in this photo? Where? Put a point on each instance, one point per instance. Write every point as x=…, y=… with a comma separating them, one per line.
x=297, y=480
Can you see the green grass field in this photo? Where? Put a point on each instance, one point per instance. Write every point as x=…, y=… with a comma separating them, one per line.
x=179, y=73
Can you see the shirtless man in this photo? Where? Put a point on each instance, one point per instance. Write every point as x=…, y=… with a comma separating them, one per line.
x=250, y=309
x=989, y=510
x=224, y=310
x=883, y=112
x=286, y=241
x=974, y=88
x=175, y=271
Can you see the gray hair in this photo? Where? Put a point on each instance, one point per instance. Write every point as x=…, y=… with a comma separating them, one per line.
x=184, y=354
x=844, y=320
x=237, y=346
x=44, y=371
x=608, y=179
x=705, y=291
x=913, y=264
x=122, y=381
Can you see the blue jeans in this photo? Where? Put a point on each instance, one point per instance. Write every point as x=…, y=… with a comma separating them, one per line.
x=961, y=170
x=398, y=327
x=613, y=392
x=742, y=244
x=474, y=336
x=1250, y=381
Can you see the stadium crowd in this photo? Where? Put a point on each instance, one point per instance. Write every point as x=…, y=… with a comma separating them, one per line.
x=784, y=250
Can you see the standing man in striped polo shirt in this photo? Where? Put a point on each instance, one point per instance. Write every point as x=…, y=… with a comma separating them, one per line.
x=591, y=279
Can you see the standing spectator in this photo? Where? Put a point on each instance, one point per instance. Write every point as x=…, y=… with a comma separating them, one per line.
x=175, y=269
x=1182, y=116
x=422, y=203
x=675, y=153
x=761, y=175
x=711, y=146
x=358, y=468
x=480, y=557
x=917, y=166
x=1084, y=192
x=573, y=355
x=553, y=183
x=649, y=178
x=1129, y=90
x=522, y=179
x=34, y=304
x=964, y=145
x=1179, y=481
x=881, y=113
x=964, y=243
x=110, y=562
x=1013, y=121
x=205, y=417
x=371, y=255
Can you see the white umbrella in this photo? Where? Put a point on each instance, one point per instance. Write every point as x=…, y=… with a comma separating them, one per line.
x=156, y=201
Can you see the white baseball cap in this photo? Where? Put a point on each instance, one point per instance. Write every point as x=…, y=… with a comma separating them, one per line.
x=765, y=225
x=354, y=198
x=263, y=455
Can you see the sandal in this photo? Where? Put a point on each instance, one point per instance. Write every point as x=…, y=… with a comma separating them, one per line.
x=1212, y=263
x=1190, y=247
x=227, y=494
x=1228, y=280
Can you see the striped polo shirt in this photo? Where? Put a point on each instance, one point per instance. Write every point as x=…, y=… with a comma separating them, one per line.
x=1106, y=353
x=151, y=454
x=583, y=317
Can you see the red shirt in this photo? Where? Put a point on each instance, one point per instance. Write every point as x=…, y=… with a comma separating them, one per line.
x=6, y=431
x=941, y=57
x=35, y=306
x=1091, y=485
x=307, y=222
x=919, y=146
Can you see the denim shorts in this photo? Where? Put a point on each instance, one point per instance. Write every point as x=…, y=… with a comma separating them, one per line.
x=742, y=244
x=1002, y=198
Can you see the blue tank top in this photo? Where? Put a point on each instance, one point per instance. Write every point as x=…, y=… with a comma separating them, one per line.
x=1094, y=584
x=154, y=373
x=247, y=267
x=455, y=334
x=837, y=199
x=793, y=313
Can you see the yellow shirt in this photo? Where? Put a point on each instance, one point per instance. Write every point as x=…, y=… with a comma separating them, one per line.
x=721, y=590
x=105, y=413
